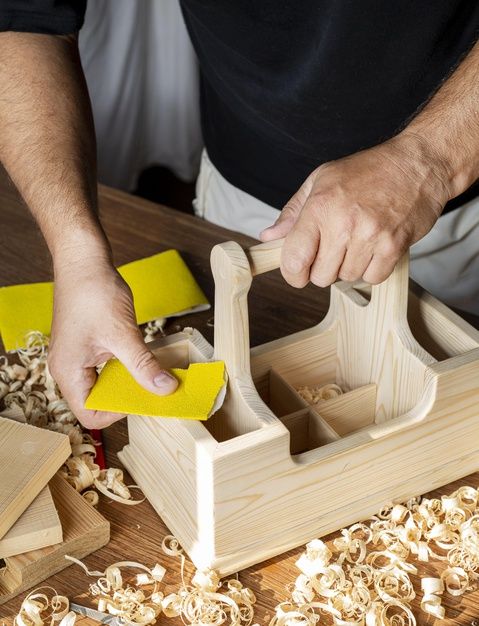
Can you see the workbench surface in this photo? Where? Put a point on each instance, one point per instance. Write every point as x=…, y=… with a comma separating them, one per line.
x=138, y=228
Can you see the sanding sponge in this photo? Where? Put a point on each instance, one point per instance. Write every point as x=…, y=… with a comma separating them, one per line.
x=201, y=391
x=162, y=286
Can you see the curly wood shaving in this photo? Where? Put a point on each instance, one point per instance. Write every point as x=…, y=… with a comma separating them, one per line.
x=313, y=395
x=155, y=327
x=205, y=601
x=29, y=394
x=365, y=578
x=38, y=609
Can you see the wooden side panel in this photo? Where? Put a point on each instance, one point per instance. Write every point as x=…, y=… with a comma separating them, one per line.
x=305, y=358
x=351, y=411
x=375, y=344
x=260, y=513
x=439, y=330
x=84, y=531
x=39, y=526
x=162, y=458
x=307, y=431
x=29, y=457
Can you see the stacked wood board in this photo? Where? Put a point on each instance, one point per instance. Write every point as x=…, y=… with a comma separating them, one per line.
x=84, y=531
x=39, y=526
x=29, y=457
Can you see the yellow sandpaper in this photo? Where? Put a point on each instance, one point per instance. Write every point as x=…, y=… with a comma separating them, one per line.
x=162, y=286
x=200, y=392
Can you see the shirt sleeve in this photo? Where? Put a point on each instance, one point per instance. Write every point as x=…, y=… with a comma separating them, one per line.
x=53, y=17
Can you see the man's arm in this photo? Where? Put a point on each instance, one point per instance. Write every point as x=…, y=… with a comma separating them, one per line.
x=47, y=146
x=355, y=217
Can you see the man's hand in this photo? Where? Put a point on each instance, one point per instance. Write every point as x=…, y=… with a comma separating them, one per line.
x=354, y=218
x=47, y=145
x=94, y=320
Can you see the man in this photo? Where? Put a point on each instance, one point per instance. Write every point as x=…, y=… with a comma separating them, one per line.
x=359, y=118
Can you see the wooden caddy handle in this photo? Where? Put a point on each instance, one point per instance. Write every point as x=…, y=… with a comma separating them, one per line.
x=233, y=269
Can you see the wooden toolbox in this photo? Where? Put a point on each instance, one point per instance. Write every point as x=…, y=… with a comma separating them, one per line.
x=268, y=472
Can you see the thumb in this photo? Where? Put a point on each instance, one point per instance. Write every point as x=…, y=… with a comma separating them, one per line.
x=143, y=365
x=289, y=215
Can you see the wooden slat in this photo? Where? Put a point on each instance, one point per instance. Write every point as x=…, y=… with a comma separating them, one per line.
x=39, y=526
x=351, y=411
x=29, y=457
x=84, y=530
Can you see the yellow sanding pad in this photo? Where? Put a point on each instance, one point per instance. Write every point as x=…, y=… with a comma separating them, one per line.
x=162, y=286
x=200, y=392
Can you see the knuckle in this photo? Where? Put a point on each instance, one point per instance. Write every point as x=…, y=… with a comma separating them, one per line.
x=349, y=275
x=376, y=276
x=294, y=281
x=143, y=359
x=320, y=279
x=295, y=262
x=371, y=229
x=390, y=246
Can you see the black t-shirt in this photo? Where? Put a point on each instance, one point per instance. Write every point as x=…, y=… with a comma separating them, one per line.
x=289, y=84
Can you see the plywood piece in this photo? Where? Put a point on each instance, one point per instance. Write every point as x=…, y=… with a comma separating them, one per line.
x=84, y=531
x=308, y=431
x=39, y=526
x=283, y=399
x=350, y=411
x=29, y=457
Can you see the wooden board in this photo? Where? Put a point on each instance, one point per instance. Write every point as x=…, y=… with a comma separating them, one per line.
x=84, y=530
x=29, y=457
x=38, y=527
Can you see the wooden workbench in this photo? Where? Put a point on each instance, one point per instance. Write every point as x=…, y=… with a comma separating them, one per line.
x=138, y=228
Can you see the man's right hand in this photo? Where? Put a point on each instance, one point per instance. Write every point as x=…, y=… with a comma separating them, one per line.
x=94, y=320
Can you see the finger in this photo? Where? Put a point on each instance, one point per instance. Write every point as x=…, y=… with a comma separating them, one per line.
x=379, y=269
x=355, y=262
x=299, y=251
x=326, y=266
x=289, y=215
x=75, y=385
x=143, y=365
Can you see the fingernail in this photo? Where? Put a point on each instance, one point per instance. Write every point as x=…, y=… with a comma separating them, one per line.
x=163, y=379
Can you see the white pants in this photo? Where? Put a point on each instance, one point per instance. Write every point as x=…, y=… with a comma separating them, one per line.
x=445, y=262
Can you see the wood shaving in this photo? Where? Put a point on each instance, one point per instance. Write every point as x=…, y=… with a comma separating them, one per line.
x=206, y=600
x=44, y=607
x=29, y=394
x=153, y=328
x=318, y=393
x=363, y=578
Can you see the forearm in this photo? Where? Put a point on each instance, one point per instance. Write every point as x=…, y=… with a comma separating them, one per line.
x=448, y=126
x=47, y=142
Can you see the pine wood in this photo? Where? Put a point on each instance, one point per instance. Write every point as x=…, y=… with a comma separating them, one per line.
x=29, y=457
x=39, y=526
x=139, y=228
x=267, y=473
x=84, y=530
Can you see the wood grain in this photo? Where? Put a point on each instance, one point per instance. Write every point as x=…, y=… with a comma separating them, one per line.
x=39, y=526
x=84, y=530
x=139, y=228
x=279, y=476
x=29, y=457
